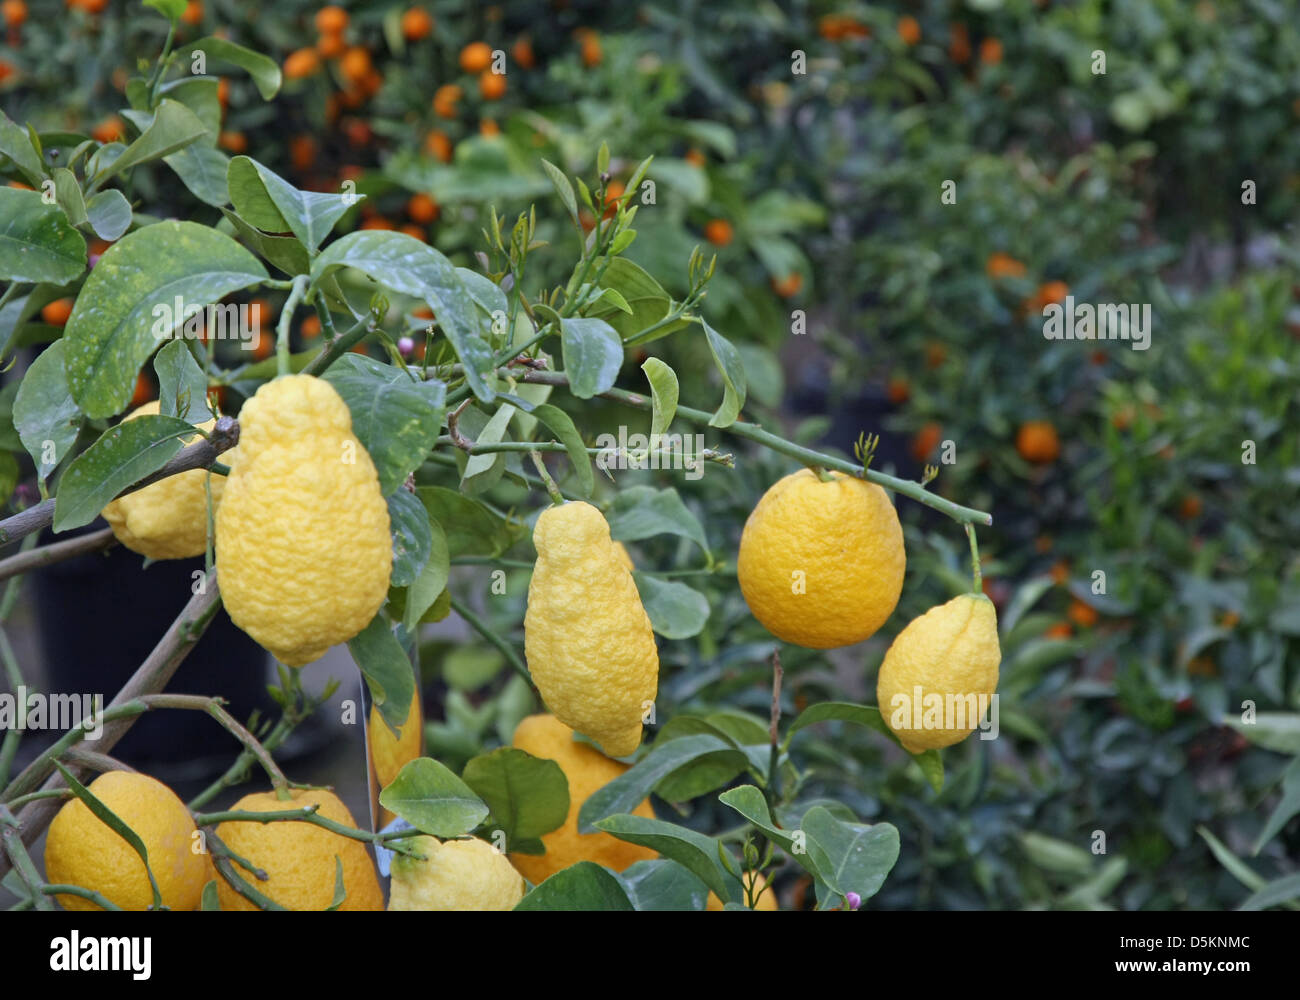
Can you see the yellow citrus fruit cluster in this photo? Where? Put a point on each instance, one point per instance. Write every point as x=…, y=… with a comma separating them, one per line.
x=466, y=874
x=590, y=648
x=168, y=520
x=297, y=857
x=546, y=737
x=303, y=546
x=821, y=563
x=82, y=850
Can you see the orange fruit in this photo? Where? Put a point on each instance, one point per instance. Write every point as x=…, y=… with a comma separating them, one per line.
x=990, y=52
x=109, y=130
x=488, y=127
x=356, y=65
x=6, y=70
x=899, y=390
x=789, y=286
x=1189, y=507
x=613, y=193
x=1230, y=619
x=718, y=232
x=417, y=23
x=358, y=132
x=926, y=440
x=445, y=99
x=302, y=152
x=959, y=44
x=1083, y=615
x=1060, y=572
x=378, y=222
x=935, y=355
x=143, y=390
x=522, y=52
x=695, y=158
x=492, y=86
x=233, y=142
x=330, y=46
x=223, y=92
x=1061, y=630
x=1037, y=442
x=301, y=63
x=310, y=327
x=590, y=48
x=15, y=12
x=1052, y=292
x=193, y=13
x=414, y=231
x=422, y=208
x=437, y=144
x=909, y=30
x=57, y=312
x=476, y=57
x=263, y=345
x=331, y=20
x=1003, y=265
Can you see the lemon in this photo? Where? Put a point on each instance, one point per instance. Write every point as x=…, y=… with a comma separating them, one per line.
x=298, y=858
x=169, y=519
x=454, y=875
x=81, y=850
x=821, y=563
x=940, y=672
x=621, y=554
x=547, y=737
x=751, y=880
x=590, y=648
x=303, y=546
x=390, y=753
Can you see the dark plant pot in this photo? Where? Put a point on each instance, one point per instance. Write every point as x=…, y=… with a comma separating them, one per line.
x=100, y=615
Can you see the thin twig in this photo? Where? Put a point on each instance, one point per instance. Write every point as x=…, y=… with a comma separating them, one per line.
x=482, y=628
x=47, y=555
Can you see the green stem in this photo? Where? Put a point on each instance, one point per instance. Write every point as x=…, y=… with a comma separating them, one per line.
x=10, y=292
x=339, y=346
x=504, y=357
x=976, y=574
x=486, y=631
x=75, y=890
x=11, y=836
x=556, y=496
x=489, y=561
x=305, y=814
x=296, y=293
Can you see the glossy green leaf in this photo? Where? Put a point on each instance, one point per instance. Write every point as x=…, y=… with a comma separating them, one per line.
x=561, y=425
x=45, y=416
x=593, y=354
x=676, y=611
x=182, y=386
x=432, y=581
x=412, y=538
x=171, y=127
x=527, y=796
x=727, y=358
x=109, y=214
x=695, y=852
x=663, y=885
x=37, y=242
x=642, y=512
x=626, y=792
x=263, y=70
x=16, y=144
x=387, y=671
x=585, y=887
x=663, y=395
x=433, y=799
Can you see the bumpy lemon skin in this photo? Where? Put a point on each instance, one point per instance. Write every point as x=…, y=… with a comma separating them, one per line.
x=588, y=640
x=168, y=520
x=755, y=880
x=587, y=770
x=839, y=543
x=298, y=858
x=303, y=546
x=952, y=649
x=454, y=875
x=83, y=851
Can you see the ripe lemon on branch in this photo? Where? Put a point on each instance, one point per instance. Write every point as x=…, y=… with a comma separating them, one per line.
x=169, y=519
x=943, y=661
x=546, y=737
x=82, y=850
x=454, y=875
x=590, y=648
x=303, y=545
x=821, y=563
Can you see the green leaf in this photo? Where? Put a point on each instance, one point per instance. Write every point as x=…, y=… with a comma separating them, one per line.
x=396, y=418
x=204, y=170
x=67, y=191
x=482, y=472
x=695, y=852
x=387, y=670
x=170, y=9
x=676, y=611
x=433, y=800
x=173, y=126
x=109, y=214
x=472, y=529
x=284, y=252
x=412, y=538
x=122, y=456
x=432, y=581
x=44, y=411
x=113, y=329
x=1286, y=808
x=111, y=820
x=563, y=188
x=1281, y=890
x=663, y=395
x=626, y=792
x=727, y=358
x=750, y=803
x=340, y=893
x=210, y=900
x=201, y=94
x=1237, y=868
x=593, y=354
x=527, y=796
x=643, y=511
x=585, y=886
x=406, y=265
x=263, y=70
x=310, y=215
x=561, y=425
x=663, y=885
x=16, y=144
x=930, y=762
x=1277, y=731
x=1055, y=855
x=37, y=243
x=182, y=386
x=485, y=292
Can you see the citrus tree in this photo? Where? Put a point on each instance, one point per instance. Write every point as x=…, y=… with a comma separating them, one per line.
x=403, y=438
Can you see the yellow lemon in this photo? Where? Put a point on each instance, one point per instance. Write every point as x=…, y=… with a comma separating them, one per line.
x=81, y=850
x=547, y=737
x=390, y=753
x=938, y=675
x=298, y=858
x=454, y=875
x=821, y=563
x=168, y=520
x=590, y=648
x=751, y=880
x=303, y=546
